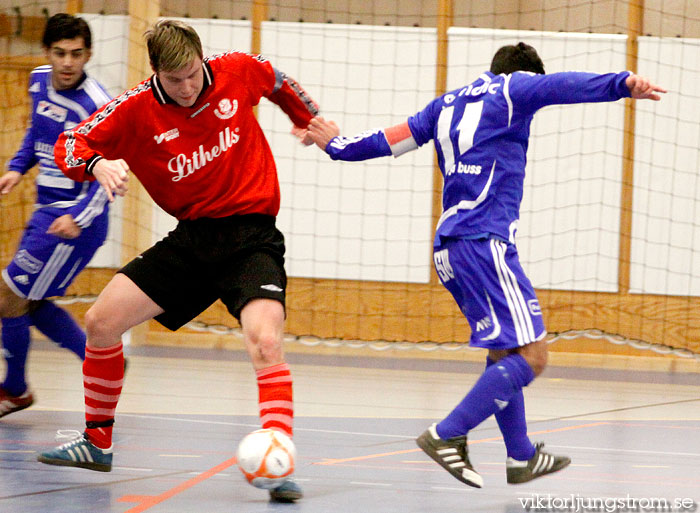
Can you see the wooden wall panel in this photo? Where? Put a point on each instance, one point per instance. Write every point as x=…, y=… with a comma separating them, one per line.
x=16, y=207
x=418, y=313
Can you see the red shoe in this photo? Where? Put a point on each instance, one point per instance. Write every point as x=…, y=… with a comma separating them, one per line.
x=10, y=403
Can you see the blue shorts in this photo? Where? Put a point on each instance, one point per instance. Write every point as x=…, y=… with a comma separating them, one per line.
x=490, y=287
x=45, y=265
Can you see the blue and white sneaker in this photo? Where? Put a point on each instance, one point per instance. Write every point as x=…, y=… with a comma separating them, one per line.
x=79, y=452
x=288, y=491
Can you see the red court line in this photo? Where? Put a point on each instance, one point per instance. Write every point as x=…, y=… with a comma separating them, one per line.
x=150, y=501
x=471, y=442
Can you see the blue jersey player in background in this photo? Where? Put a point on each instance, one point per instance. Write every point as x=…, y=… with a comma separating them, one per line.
x=481, y=136
x=70, y=219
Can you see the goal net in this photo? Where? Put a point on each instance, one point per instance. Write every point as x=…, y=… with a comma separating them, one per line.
x=610, y=208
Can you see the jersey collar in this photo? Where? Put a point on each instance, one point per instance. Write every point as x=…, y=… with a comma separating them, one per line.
x=161, y=96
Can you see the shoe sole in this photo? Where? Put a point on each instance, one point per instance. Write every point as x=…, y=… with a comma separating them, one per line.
x=530, y=477
x=16, y=409
x=99, y=467
x=285, y=496
x=423, y=442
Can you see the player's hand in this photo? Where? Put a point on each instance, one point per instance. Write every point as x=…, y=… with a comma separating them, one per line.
x=112, y=175
x=303, y=135
x=64, y=227
x=9, y=180
x=321, y=131
x=641, y=88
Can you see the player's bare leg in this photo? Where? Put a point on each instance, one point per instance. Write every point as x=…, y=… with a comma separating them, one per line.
x=120, y=306
x=262, y=321
x=11, y=305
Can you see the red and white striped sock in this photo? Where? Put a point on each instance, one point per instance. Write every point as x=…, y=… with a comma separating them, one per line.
x=275, y=398
x=103, y=376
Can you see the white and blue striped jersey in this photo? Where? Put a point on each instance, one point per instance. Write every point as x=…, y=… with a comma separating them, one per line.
x=481, y=136
x=53, y=112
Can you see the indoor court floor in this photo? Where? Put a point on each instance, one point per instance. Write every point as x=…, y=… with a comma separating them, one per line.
x=633, y=437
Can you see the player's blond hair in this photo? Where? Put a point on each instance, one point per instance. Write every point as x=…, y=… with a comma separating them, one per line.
x=172, y=45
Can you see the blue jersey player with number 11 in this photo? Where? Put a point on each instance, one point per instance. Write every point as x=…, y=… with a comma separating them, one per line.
x=481, y=136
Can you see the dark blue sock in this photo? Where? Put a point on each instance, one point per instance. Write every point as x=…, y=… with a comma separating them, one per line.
x=15, y=340
x=494, y=389
x=513, y=426
x=57, y=324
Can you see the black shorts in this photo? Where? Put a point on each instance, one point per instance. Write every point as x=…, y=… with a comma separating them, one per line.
x=235, y=259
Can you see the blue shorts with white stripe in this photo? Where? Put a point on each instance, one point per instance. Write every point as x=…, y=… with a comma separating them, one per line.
x=487, y=281
x=45, y=265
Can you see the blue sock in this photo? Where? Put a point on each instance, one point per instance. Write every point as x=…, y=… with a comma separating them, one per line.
x=513, y=426
x=57, y=324
x=15, y=340
x=496, y=387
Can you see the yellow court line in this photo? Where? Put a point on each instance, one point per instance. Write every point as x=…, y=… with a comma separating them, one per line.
x=471, y=442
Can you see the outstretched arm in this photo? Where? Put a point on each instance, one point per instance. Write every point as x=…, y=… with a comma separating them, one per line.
x=641, y=88
x=395, y=140
x=530, y=93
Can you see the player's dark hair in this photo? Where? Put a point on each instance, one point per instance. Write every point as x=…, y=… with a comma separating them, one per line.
x=520, y=57
x=65, y=26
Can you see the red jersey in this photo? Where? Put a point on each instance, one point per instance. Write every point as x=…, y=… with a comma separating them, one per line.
x=208, y=160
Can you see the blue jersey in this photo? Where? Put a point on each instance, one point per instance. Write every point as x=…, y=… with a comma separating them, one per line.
x=481, y=136
x=53, y=112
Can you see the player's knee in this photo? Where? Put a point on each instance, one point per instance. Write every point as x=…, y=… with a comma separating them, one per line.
x=497, y=354
x=267, y=347
x=536, y=356
x=270, y=345
x=92, y=322
x=11, y=305
x=537, y=361
x=99, y=326
x=5, y=310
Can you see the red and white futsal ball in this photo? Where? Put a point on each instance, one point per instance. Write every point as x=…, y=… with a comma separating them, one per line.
x=266, y=457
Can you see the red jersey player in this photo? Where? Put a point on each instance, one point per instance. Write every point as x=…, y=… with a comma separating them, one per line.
x=190, y=136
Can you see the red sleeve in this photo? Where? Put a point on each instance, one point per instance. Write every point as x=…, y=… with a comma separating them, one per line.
x=79, y=149
x=74, y=166
x=286, y=93
x=293, y=100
